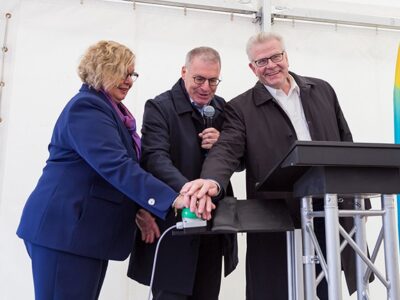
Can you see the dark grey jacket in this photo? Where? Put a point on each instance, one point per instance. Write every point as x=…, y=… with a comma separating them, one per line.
x=258, y=131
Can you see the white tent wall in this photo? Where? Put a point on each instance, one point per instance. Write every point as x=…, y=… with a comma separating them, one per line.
x=47, y=37
x=49, y=40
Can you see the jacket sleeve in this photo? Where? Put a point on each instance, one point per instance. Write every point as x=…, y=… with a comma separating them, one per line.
x=226, y=156
x=95, y=135
x=344, y=130
x=156, y=146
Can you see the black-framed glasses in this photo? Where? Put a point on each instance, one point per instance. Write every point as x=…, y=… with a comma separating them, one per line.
x=274, y=58
x=211, y=81
x=132, y=75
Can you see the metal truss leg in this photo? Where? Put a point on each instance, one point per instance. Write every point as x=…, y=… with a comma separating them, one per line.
x=391, y=247
x=290, y=264
x=308, y=249
x=361, y=240
x=333, y=247
x=295, y=265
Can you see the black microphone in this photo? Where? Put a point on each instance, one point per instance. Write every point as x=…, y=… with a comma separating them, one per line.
x=208, y=114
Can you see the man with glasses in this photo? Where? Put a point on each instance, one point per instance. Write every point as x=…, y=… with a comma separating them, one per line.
x=175, y=142
x=260, y=126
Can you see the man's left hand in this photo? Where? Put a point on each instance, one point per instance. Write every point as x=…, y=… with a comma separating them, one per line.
x=198, y=194
x=209, y=137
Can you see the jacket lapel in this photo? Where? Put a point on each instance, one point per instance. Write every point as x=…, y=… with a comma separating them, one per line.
x=261, y=94
x=126, y=137
x=306, y=99
x=218, y=107
x=183, y=105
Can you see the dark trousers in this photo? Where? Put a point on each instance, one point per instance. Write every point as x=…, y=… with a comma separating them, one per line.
x=208, y=273
x=59, y=275
x=266, y=263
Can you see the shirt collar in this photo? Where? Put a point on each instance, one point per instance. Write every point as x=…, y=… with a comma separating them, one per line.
x=293, y=88
x=198, y=107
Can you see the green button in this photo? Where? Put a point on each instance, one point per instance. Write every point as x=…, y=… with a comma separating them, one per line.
x=186, y=213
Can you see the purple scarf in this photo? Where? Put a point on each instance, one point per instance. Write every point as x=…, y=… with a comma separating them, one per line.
x=129, y=121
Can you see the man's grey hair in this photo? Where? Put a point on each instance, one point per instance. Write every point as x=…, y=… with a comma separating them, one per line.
x=206, y=54
x=260, y=38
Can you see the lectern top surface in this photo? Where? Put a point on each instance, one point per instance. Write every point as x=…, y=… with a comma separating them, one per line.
x=324, y=153
x=303, y=155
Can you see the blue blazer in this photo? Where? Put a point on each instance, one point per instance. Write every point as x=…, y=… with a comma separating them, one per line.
x=92, y=185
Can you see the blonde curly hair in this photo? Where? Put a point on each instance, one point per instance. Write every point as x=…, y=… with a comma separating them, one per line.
x=105, y=64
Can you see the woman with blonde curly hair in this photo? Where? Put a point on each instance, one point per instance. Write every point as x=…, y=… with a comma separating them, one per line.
x=82, y=212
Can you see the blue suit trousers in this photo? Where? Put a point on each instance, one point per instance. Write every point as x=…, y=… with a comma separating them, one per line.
x=59, y=275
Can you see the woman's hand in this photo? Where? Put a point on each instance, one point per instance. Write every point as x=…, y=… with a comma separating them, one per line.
x=147, y=225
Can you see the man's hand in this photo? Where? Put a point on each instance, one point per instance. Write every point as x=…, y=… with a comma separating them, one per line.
x=180, y=202
x=147, y=225
x=209, y=137
x=197, y=194
x=202, y=206
x=201, y=187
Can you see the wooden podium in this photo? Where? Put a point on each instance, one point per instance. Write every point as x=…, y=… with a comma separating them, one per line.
x=328, y=170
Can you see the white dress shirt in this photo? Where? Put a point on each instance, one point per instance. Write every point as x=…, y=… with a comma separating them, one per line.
x=291, y=104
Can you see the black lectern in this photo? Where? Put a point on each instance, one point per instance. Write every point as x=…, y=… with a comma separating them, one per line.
x=329, y=169
x=251, y=215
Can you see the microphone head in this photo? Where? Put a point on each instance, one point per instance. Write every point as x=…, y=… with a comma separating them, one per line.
x=209, y=111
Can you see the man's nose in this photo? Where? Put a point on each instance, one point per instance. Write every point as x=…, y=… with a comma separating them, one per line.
x=206, y=85
x=270, y=63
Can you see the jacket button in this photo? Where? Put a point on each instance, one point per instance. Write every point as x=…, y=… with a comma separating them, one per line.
x=151, y=201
